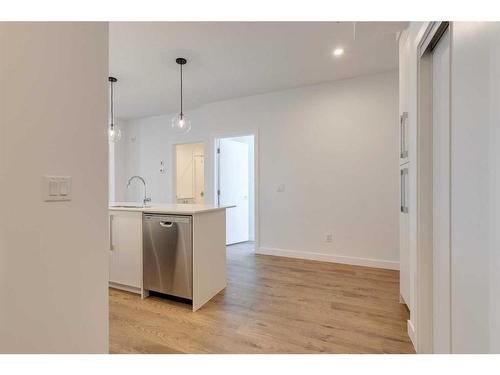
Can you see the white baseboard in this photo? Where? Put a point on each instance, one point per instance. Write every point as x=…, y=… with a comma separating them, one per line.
x=127, y=288
x=355, y=261
x=411, y=333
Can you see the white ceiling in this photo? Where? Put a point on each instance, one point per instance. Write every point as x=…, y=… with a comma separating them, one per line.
x=234, y=59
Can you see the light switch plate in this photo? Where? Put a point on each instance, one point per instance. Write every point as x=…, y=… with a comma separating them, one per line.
x=56, y=188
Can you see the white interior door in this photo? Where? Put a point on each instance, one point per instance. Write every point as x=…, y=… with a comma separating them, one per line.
x=233, y=188
x=441, y=196
x=190, y=176
x=184, y=171
x=199, y=179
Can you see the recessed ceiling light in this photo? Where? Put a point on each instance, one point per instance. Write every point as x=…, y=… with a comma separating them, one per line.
x=338, y=51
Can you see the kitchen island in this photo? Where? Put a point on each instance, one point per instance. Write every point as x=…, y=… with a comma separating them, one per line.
x=207, y=248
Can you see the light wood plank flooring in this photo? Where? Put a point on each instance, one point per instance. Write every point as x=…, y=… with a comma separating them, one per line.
x=271, y=305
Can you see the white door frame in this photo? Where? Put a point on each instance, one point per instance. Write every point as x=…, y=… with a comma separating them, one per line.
x=173, y=167
x=255, y=133
x=424, y=170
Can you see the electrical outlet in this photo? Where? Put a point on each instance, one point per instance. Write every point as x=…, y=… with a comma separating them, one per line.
x=329, y=238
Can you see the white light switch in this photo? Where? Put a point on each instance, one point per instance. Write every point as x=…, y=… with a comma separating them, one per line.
x=53, y=188
x=65, y=186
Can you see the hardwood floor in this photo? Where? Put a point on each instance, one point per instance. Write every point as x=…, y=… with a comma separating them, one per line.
x=271, y=305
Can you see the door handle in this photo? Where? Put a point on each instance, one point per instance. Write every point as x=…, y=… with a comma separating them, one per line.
x=401, y=135
x=403, y=121
x=111, y=247
x=404, y=190
x=166, y=224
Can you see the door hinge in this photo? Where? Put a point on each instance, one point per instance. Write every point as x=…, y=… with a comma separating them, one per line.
x=218, y=150
x=218, y=192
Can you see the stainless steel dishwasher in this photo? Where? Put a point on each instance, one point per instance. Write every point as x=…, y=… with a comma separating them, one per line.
x=168, y=254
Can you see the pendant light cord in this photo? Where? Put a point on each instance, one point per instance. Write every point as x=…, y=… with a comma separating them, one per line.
x=112, y=108
x=181, y=91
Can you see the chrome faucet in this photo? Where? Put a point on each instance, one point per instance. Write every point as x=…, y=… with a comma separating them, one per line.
x=146, y=200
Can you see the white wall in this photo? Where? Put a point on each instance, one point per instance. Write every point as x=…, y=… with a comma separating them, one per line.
x=475, y=190
x=111, y=172
x=494, y=156
x=334, y=146
x=53, y=118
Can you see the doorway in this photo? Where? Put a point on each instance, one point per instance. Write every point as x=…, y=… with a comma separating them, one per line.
x=189, y=173
x=236, y=186
x=434, y=192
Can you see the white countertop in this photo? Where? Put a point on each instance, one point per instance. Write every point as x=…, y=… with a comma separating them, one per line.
x=174, y=208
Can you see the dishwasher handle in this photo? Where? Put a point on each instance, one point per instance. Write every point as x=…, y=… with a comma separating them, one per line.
x=167, y=219
x=166, y=224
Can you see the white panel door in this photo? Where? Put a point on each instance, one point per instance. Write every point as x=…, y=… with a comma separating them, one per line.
x=441, y=196
x=199, y=179
x=233, y=188
x=185, y=171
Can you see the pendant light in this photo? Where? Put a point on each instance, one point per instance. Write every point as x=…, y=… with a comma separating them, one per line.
x=181, y=124
x=115, y=133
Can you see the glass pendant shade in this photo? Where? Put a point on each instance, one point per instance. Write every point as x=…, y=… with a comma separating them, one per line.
x=181, y=124
x=115, y=134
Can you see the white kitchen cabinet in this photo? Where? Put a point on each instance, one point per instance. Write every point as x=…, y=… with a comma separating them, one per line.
x=125, y=249
x=404, y=78
x=405, y=166
x=404, y=235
